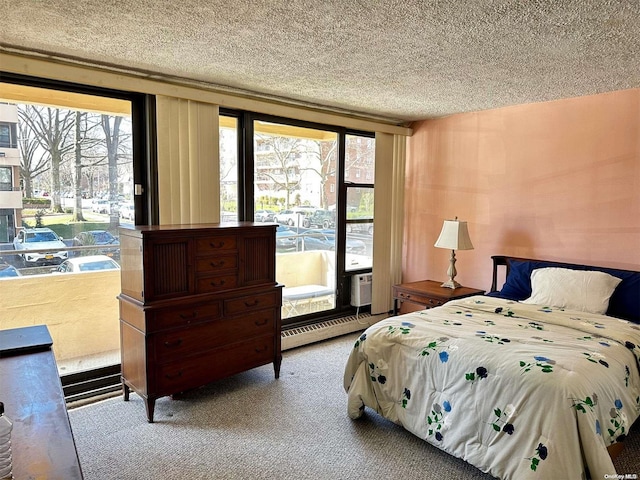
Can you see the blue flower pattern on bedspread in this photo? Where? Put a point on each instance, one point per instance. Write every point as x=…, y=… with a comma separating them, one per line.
x=444, y=352
x=436, y=420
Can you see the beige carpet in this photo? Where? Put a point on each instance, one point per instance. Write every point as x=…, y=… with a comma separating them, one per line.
x=252, y=426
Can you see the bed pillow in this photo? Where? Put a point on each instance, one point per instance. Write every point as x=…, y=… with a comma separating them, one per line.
x=518, y=282
x=583, y=290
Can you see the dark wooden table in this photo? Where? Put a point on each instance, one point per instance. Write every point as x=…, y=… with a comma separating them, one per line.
x=42, y=444
x=429, y=293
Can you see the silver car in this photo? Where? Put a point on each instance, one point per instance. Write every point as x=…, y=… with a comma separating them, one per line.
x=46, y=242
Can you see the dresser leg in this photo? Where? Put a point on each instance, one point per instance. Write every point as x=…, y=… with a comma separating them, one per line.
x=150, y=405
x=125, y=391
x=276, y=366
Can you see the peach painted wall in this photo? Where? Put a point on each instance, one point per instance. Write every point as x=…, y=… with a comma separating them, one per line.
x=556, y=180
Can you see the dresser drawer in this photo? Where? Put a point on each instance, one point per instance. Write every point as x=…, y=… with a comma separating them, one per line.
x=193, y=340
x=251, y=303
x=191, y=372
x=213, y=245
x=183, y=316
x=216, y=263
x=216, y=283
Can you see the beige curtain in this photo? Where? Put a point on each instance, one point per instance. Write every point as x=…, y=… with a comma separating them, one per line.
x=188, y=161
x=389, y=219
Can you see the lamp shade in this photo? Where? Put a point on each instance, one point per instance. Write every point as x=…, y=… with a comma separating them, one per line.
x=454, y=236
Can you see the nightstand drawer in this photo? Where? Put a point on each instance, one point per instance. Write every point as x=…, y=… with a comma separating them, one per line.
x=421, y=299
x=429, y=293
x=433, y=302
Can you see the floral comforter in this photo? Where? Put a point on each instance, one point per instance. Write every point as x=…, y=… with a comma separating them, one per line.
x=520, y=391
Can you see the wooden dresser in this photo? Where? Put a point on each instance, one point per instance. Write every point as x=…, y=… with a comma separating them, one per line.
x=198, y=303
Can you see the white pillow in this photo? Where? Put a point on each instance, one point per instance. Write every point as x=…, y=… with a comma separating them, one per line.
x=586, y=291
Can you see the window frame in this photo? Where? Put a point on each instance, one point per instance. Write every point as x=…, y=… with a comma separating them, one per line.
x=12, y=137
x=87, y=383
x=143, y=133
x=246, y=171
x=6, y=186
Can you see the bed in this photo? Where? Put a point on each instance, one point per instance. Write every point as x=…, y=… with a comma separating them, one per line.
x=538, y=379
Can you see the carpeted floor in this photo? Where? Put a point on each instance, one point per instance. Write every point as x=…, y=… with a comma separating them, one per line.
x=252, y=426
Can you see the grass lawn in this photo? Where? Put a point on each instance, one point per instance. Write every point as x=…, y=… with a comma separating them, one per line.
x=61, y=223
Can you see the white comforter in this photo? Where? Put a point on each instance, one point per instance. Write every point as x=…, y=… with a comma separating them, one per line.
x=519, y=391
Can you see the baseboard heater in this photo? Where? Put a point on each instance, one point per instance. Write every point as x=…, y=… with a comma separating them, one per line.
x=92, y=383
x=299, y=336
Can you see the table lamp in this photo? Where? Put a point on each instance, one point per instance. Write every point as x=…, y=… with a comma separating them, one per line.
x=454, y=236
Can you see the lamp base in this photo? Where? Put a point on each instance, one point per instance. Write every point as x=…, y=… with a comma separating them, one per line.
x=451, y=284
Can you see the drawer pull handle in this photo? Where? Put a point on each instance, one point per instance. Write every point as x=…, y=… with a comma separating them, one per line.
x=260, y=350
x=216, y=245
x=184, y=316
x=217, y=264
x=176, y=375
x=175, y=343
x=251, y=304
x=217, y=284
x=259, y=323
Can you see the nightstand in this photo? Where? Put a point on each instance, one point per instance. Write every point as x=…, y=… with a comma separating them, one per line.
x=429, y=293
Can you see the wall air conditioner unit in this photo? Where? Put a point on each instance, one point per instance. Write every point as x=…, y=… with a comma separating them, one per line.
x=361, y=289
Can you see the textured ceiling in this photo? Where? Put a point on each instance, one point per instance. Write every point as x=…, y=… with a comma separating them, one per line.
x=401, y=60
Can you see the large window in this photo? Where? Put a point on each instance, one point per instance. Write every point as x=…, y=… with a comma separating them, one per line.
x=359, y=177
x=315, y=182
x=293, y=168
x=79, y=169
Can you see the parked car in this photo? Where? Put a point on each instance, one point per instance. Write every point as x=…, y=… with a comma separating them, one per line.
x=360, y=228
x=107, y=243
x=286, y=239
x=264, y=215
x=314, y=240
x=354, y=245
x=320, y=219
x=286, y=217
x=100, y=206
x=8, y=271
x=128, y=211
x=40, y=239
x=294, y=216
x=88, y=264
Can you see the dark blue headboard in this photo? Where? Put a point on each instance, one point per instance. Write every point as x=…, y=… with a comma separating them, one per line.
x=624, y=303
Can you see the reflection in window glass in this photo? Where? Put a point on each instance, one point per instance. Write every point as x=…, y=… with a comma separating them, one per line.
x=359, y=164
x=6, y=180
x=228, y=168
x=360, y=203
x=8, y=134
